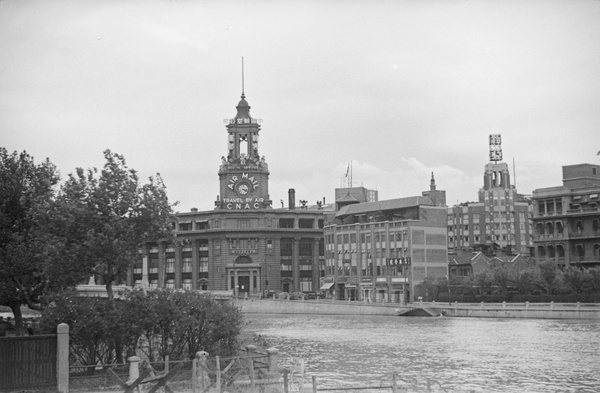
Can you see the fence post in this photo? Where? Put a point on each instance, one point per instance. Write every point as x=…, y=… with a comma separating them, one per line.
x=218, y=360
x=200, y=370
x=285, y=380
x=504, y=305
x=527, y=305
x=62, y=358
x=394, y=387
x=552, y=305
x=314, y=384
x=578, y=305
x=134, y=369
x=273, y=359
x=252, y=383
x=481, y=304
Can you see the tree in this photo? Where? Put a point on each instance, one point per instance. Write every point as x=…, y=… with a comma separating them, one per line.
x=118, y=214
x=548, y=272
x=26, y=194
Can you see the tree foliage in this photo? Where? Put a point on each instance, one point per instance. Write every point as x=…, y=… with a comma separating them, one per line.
x=510, y=282
x=158, y=322
x=31, y=242
x=117, y=215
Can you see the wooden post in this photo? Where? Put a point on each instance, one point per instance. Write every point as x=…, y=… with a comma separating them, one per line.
x=285, y=381
x=394, y=388
x=251, y=364
x=218, y=360
x=195, y=374
x=167, y=364
x=314, y=384
x=62, y=358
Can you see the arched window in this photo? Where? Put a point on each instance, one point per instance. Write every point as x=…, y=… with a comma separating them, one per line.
x=596, y=226
x=597, y=251
x=559, y=227
x=580, y=250
x=579, y=226
x=551, y=253
x=541, y=252
x=561, y=251
x=540, y=228
x=550, y=228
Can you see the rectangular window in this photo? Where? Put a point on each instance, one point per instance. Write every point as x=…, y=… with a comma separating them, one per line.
x=285, y=267
x=187, y=265
x=306, y=223
x=286, y=223
x=187, y=283
x=243, y=223
x=305, y=284
x=170, y=265
x=203, y=267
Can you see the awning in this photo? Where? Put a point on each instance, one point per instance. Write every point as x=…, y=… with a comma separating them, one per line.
x=327, y=285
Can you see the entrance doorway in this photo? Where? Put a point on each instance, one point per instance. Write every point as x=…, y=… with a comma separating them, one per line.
x=243, y=284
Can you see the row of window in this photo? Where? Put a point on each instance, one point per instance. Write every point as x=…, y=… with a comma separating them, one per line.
x=553, y=251
x=578, y=226
x=303, y=223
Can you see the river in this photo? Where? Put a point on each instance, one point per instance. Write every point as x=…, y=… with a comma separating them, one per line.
x=456, y=354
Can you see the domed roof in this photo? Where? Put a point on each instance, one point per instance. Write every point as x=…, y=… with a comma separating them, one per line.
x=243, y=109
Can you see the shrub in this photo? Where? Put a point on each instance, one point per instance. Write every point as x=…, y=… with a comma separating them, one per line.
x=159, y=322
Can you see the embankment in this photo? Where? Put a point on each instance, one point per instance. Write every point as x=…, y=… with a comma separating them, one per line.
x=474, y=310
x=325, y=307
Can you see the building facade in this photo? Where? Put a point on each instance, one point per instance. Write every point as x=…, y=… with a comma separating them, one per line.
x=567, y=218
x=243, y=245
x=499, y=223
x=381, y=250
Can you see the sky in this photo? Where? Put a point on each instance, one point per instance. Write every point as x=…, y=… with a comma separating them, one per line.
x=399, y=89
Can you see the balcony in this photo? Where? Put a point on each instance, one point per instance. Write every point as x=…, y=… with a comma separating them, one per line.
x=584, y=235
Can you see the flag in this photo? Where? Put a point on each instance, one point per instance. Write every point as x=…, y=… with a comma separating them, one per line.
x=348, y=169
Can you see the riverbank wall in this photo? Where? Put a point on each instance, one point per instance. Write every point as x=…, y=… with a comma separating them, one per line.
x=324, y=307
x=473, y=310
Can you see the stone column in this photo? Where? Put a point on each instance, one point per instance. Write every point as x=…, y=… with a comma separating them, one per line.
x=296, y=263
x=62, y=358
x=162, y=274
x=315, y=265
x=145, y=283
x=195, y=263
x=178, y=266
x=235, y=283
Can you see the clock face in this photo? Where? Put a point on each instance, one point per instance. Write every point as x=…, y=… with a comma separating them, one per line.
x=243, y=189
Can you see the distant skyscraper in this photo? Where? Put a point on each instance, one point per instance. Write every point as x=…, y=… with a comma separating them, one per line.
x=500, y=222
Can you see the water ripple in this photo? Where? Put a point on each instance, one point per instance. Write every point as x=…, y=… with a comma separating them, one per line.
x=460, y=354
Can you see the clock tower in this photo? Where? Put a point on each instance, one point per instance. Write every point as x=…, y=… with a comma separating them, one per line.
x=243, y=174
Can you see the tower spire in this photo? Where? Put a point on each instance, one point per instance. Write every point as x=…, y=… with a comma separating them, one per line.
x=243, y=95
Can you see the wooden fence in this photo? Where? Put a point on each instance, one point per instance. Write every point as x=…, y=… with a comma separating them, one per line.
x=28, y=362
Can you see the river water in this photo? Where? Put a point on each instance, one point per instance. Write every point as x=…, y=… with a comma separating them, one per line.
x=456, y=354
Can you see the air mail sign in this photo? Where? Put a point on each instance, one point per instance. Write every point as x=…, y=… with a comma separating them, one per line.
x=397, y=261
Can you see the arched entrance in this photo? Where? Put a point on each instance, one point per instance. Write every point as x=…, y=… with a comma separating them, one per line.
x=244, y=277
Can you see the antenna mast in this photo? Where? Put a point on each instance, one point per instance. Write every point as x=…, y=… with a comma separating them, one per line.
x=242, y=75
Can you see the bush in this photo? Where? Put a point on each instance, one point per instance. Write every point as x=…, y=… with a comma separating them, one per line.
x=159, y=322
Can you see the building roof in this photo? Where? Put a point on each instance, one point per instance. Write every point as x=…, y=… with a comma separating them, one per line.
x=391, y=204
